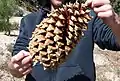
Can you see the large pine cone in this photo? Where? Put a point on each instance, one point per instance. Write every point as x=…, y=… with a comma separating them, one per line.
x=56, y=36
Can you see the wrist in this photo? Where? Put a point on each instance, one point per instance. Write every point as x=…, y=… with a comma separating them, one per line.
x=115, y=26
x=115, y=21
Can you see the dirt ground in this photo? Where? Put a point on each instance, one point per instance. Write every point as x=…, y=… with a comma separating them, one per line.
x=107, y=62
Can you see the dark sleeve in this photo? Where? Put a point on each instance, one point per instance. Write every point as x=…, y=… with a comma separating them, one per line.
x=103, y=36
x=22, y=40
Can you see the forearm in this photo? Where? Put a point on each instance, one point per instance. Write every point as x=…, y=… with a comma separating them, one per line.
x=115, y=26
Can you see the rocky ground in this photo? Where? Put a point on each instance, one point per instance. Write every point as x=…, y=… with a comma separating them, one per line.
x=107, y=65
x=107, y=62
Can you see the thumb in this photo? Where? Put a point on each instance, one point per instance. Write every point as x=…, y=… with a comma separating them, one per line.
x=89, y=3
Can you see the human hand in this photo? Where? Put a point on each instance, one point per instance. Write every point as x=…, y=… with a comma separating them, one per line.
x=103, y=9
x=20, y=64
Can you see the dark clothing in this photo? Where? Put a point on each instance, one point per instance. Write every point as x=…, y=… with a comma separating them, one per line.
x=79, y=66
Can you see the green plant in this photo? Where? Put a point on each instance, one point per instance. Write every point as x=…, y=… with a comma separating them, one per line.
x=116, y=5
x=7, y=9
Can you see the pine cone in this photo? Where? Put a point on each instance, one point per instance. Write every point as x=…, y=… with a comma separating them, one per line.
x=56, y=36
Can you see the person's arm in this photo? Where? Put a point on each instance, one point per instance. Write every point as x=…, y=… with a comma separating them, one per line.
x=114, y=23
x=104, y=10
x=22, y=40
x=103, y=34
x=21, y=62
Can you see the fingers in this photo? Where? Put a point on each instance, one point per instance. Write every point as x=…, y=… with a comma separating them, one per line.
x=16, y=66
x=25, y=68
x=22, y=54
x=106, y=14
x=26, y=60
x=96, y=3
x=23, y=62
x=103, y=8
x=27, y=71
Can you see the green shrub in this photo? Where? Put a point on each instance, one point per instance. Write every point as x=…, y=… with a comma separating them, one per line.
x=7, y=9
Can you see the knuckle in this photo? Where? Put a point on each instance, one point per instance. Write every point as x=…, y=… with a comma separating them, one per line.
x=109, y=6
x=14, y=59
x=16, y=66
x=27, y=71
x=26, y=60
x=20, y=70
x=30, y=64
x=27, y=66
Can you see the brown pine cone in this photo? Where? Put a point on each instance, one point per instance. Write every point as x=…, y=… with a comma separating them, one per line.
x=56, y=36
